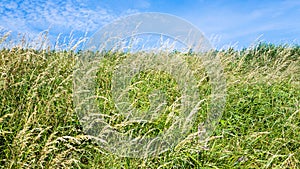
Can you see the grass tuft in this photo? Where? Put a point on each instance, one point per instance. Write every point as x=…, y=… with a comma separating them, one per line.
x=259, y=128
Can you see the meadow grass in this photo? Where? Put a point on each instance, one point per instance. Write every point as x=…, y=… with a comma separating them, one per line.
x=260, y=126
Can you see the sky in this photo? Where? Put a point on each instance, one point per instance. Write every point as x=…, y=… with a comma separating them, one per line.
x=226, y=23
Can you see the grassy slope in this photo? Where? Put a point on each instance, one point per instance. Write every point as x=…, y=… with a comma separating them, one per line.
x=260, y=126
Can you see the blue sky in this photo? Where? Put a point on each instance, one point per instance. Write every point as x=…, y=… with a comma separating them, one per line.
x=224, y=22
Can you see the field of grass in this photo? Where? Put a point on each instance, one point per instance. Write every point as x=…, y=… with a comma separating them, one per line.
x=259, y=128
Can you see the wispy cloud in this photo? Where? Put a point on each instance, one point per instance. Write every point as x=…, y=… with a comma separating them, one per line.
x=231, y=20
x=248, y=20
x=142, y=4
x=59, y=16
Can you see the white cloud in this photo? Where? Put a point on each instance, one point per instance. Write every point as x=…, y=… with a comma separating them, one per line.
x=142, y=4
x=130, y=12
x=249, y=23
x=59, y=16
x=11, y=5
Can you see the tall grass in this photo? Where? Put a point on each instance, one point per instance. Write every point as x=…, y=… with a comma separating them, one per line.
x=260, y=126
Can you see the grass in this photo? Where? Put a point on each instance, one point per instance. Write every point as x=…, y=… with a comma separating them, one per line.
x=260, y=126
